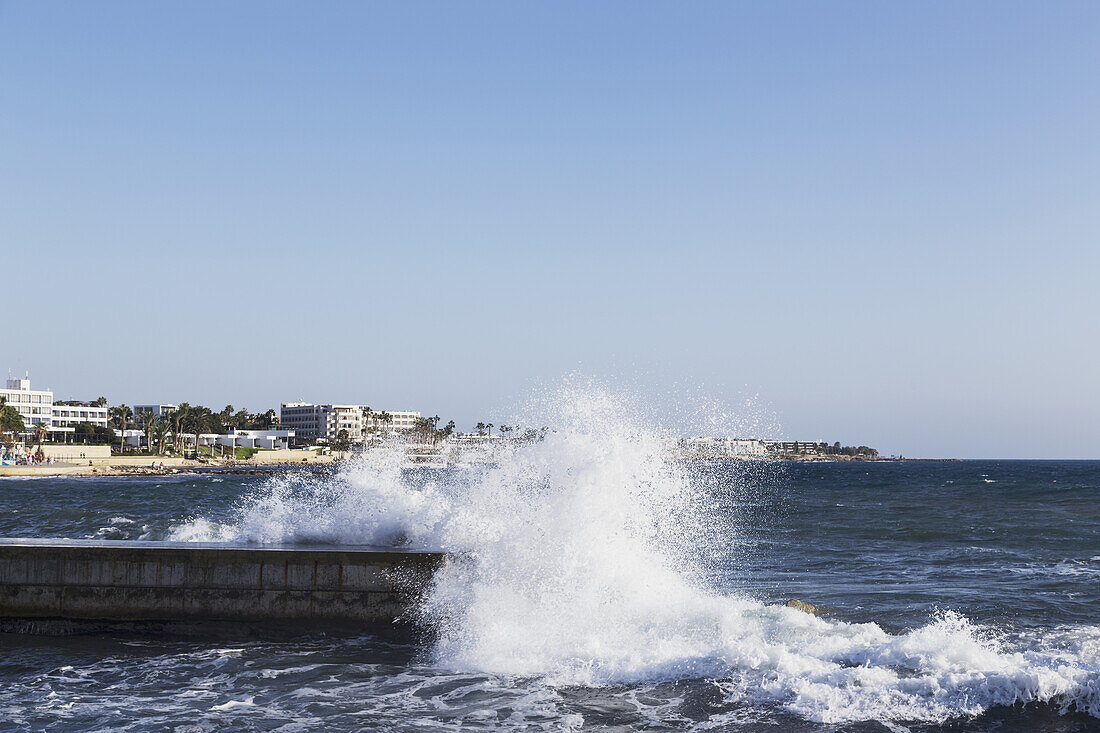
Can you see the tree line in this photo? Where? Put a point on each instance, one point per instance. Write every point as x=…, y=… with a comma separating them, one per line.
x=836, y=449
x=167, y=431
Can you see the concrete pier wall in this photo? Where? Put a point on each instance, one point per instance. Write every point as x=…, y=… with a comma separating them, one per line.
x=75, y=451
x=163, y=581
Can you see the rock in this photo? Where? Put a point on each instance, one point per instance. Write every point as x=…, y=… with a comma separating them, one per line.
x=803, y=606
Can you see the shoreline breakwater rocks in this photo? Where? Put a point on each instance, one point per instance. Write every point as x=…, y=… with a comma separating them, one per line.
x=804, y=607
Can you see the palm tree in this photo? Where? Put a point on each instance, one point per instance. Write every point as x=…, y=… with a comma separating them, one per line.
x=178, y=416
x=161, y=428
x=203, y=424
x=367, y=418
x=199, y=419
x=41, y=430
x=423, y=429
x=121, y=413
x=149, y=424
x=386, y=418
x=241, y=420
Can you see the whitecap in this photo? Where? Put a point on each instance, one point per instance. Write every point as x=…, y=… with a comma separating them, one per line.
x=233, y=704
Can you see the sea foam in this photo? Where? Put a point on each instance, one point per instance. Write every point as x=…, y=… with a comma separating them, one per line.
x=575, y=563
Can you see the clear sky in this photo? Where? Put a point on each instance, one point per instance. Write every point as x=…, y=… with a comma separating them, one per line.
x=883, y=219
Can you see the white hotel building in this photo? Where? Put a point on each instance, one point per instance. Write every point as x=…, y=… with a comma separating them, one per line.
x=312, y=422
x=36, y=406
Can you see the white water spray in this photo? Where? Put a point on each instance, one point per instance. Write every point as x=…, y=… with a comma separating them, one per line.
x=574, y=566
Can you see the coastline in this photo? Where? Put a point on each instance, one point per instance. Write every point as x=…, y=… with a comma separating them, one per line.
x=167, y=466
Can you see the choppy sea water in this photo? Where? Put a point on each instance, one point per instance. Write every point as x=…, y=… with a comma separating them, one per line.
x=608, y=587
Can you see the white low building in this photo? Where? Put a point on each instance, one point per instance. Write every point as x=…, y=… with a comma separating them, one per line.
x=725, y=447
x=475, y=439
x=261, y=439
x=745, y=447
x=255, y=439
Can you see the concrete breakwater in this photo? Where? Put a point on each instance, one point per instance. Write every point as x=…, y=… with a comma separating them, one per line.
x=130, y=581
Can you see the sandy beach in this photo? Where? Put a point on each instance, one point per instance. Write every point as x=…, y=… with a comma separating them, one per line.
x=165, y=465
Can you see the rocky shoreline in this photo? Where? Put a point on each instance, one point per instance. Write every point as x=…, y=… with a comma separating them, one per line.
x=112, y=468
x=109, y=467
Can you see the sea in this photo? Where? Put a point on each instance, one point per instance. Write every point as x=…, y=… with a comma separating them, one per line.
x=605, y=584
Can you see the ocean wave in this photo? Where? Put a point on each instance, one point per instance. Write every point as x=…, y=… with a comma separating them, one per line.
x=1065, y=568
x=575, y=564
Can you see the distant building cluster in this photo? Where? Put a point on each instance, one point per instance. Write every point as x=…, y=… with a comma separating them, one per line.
x=704, y=447
x=724, y=447
x=340, y=426
x=299, y=423
x=794, y=447
x=818, y=448
x=754, y=447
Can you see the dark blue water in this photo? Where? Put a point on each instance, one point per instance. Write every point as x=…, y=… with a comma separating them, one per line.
x=1002, y=541
x=975, y=574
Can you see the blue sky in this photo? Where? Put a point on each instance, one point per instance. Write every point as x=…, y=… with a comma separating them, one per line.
x=879, y=220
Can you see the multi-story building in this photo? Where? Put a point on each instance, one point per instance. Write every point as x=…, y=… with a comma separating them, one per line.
x=312, y=422
x=344, y=417
x=157, y=410
x=71, y=413
x=36, y=406
x=308, y=421
x=805, y=447
x=747, y=447
x=402, y=420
